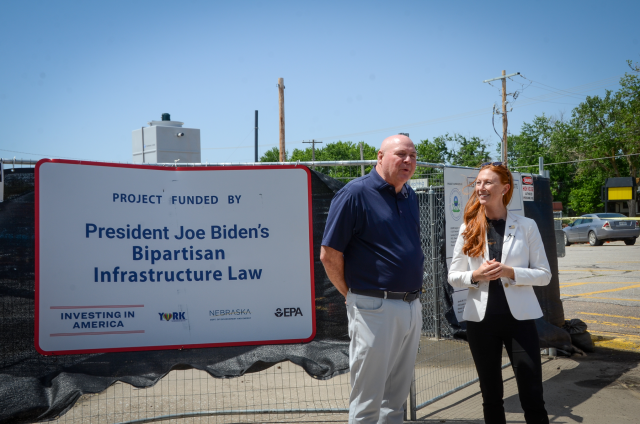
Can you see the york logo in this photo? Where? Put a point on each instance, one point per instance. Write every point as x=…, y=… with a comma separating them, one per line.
x=288, y=312
x=172, y=316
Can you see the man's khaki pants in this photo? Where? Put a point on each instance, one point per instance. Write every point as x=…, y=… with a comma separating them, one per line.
x=384, y=342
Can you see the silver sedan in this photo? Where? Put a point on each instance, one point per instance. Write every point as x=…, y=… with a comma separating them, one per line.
x=596, y=228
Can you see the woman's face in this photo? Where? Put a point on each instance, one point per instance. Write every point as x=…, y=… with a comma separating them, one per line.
x=489, y=189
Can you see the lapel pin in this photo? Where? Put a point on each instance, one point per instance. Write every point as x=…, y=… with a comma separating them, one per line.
x=511, y=227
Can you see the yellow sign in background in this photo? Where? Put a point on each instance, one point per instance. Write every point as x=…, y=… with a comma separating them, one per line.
x=620, y=193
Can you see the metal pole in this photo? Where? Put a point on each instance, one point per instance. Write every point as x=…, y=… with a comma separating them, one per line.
x=434, y=262
x=256, y=137
x=540, y=165
x=362, y=157
x=412, y=398
x=142, y=131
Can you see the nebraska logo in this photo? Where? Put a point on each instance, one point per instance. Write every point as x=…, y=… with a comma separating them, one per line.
x=173, y=316
x=288, y=312
x=527, y=180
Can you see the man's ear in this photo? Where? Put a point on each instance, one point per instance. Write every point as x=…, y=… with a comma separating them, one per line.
x=380, y=155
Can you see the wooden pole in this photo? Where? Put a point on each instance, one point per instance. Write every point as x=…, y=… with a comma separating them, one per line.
x=504, y=118
x=281, y=101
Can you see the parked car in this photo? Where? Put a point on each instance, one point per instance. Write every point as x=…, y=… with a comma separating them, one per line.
x=596, y=228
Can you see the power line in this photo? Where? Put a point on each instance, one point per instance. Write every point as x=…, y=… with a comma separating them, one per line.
x=470, y=114
x=559, y=89
x=43, y=155
x=549, y=101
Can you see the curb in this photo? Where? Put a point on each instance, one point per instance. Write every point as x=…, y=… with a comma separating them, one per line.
x=616, y=341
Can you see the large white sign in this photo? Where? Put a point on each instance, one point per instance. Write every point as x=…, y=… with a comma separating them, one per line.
x=458, y=187
x=138, y=258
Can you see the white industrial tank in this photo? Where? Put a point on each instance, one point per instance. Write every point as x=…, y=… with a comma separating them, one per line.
x=166, y=141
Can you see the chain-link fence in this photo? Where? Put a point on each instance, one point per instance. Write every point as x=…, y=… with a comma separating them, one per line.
x=285, y=392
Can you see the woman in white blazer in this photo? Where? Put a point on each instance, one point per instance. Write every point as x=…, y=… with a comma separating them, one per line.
x=499, y=257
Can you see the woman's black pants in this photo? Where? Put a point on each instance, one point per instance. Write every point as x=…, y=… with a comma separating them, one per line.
x=521, y=341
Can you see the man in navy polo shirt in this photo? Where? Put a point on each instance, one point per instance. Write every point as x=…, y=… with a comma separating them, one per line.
x=371, y=252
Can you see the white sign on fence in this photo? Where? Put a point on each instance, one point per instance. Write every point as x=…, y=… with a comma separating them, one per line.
x=419, y=183
x=458, y=187
x=138, y=258
x=527, y=187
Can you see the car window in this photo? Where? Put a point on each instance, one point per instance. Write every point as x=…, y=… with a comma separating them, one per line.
x=587, y=221
x=610, y=215
x=578, y=222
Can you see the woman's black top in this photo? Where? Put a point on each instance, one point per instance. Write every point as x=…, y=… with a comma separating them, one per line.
x=497, y=303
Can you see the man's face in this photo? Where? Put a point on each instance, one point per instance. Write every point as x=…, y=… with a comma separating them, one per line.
x=397, y=160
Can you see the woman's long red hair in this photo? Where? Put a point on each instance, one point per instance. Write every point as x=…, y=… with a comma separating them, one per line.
x=475, y=219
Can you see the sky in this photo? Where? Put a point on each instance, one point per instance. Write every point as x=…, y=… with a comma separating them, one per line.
x=77, y=77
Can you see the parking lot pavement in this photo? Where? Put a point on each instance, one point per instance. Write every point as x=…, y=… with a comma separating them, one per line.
x=601, y=388
x=601, y=286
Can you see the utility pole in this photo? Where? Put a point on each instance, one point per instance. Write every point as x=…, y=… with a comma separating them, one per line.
x=505, y=121
x=281, y=101
x=313, y=149
x=504, y=111
x=256, y=138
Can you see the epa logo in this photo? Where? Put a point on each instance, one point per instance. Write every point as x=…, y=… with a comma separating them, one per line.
x=455, y=204
x=288, y=312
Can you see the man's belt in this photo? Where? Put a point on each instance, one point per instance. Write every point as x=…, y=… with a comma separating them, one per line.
x=406, y=296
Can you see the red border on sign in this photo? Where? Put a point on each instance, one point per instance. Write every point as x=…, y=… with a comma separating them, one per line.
x=168, y=169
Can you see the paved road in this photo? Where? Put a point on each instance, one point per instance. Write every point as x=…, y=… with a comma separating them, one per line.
x=601, y=286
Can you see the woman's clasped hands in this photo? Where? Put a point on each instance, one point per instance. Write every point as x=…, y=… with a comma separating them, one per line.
x=492, y=270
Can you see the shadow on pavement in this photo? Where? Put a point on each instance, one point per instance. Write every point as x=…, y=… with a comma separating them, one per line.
x=603, y=387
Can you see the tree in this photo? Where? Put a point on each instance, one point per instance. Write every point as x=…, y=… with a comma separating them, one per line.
x=339, y=150
x=435, y=151
x=272, y=155
x=607, y=127
x=471, y=152
x=536, y=139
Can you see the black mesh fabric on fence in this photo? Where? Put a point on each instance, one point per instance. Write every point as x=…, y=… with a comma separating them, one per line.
x=541, y=211
x=35, y=387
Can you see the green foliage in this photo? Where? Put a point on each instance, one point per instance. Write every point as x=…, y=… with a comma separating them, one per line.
x=465, y=151
x=539, y=139
x=600, y=127
x=272, y=155
x=585, y=194
x=435, y=151
x=470, y=152
x=340, y=150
